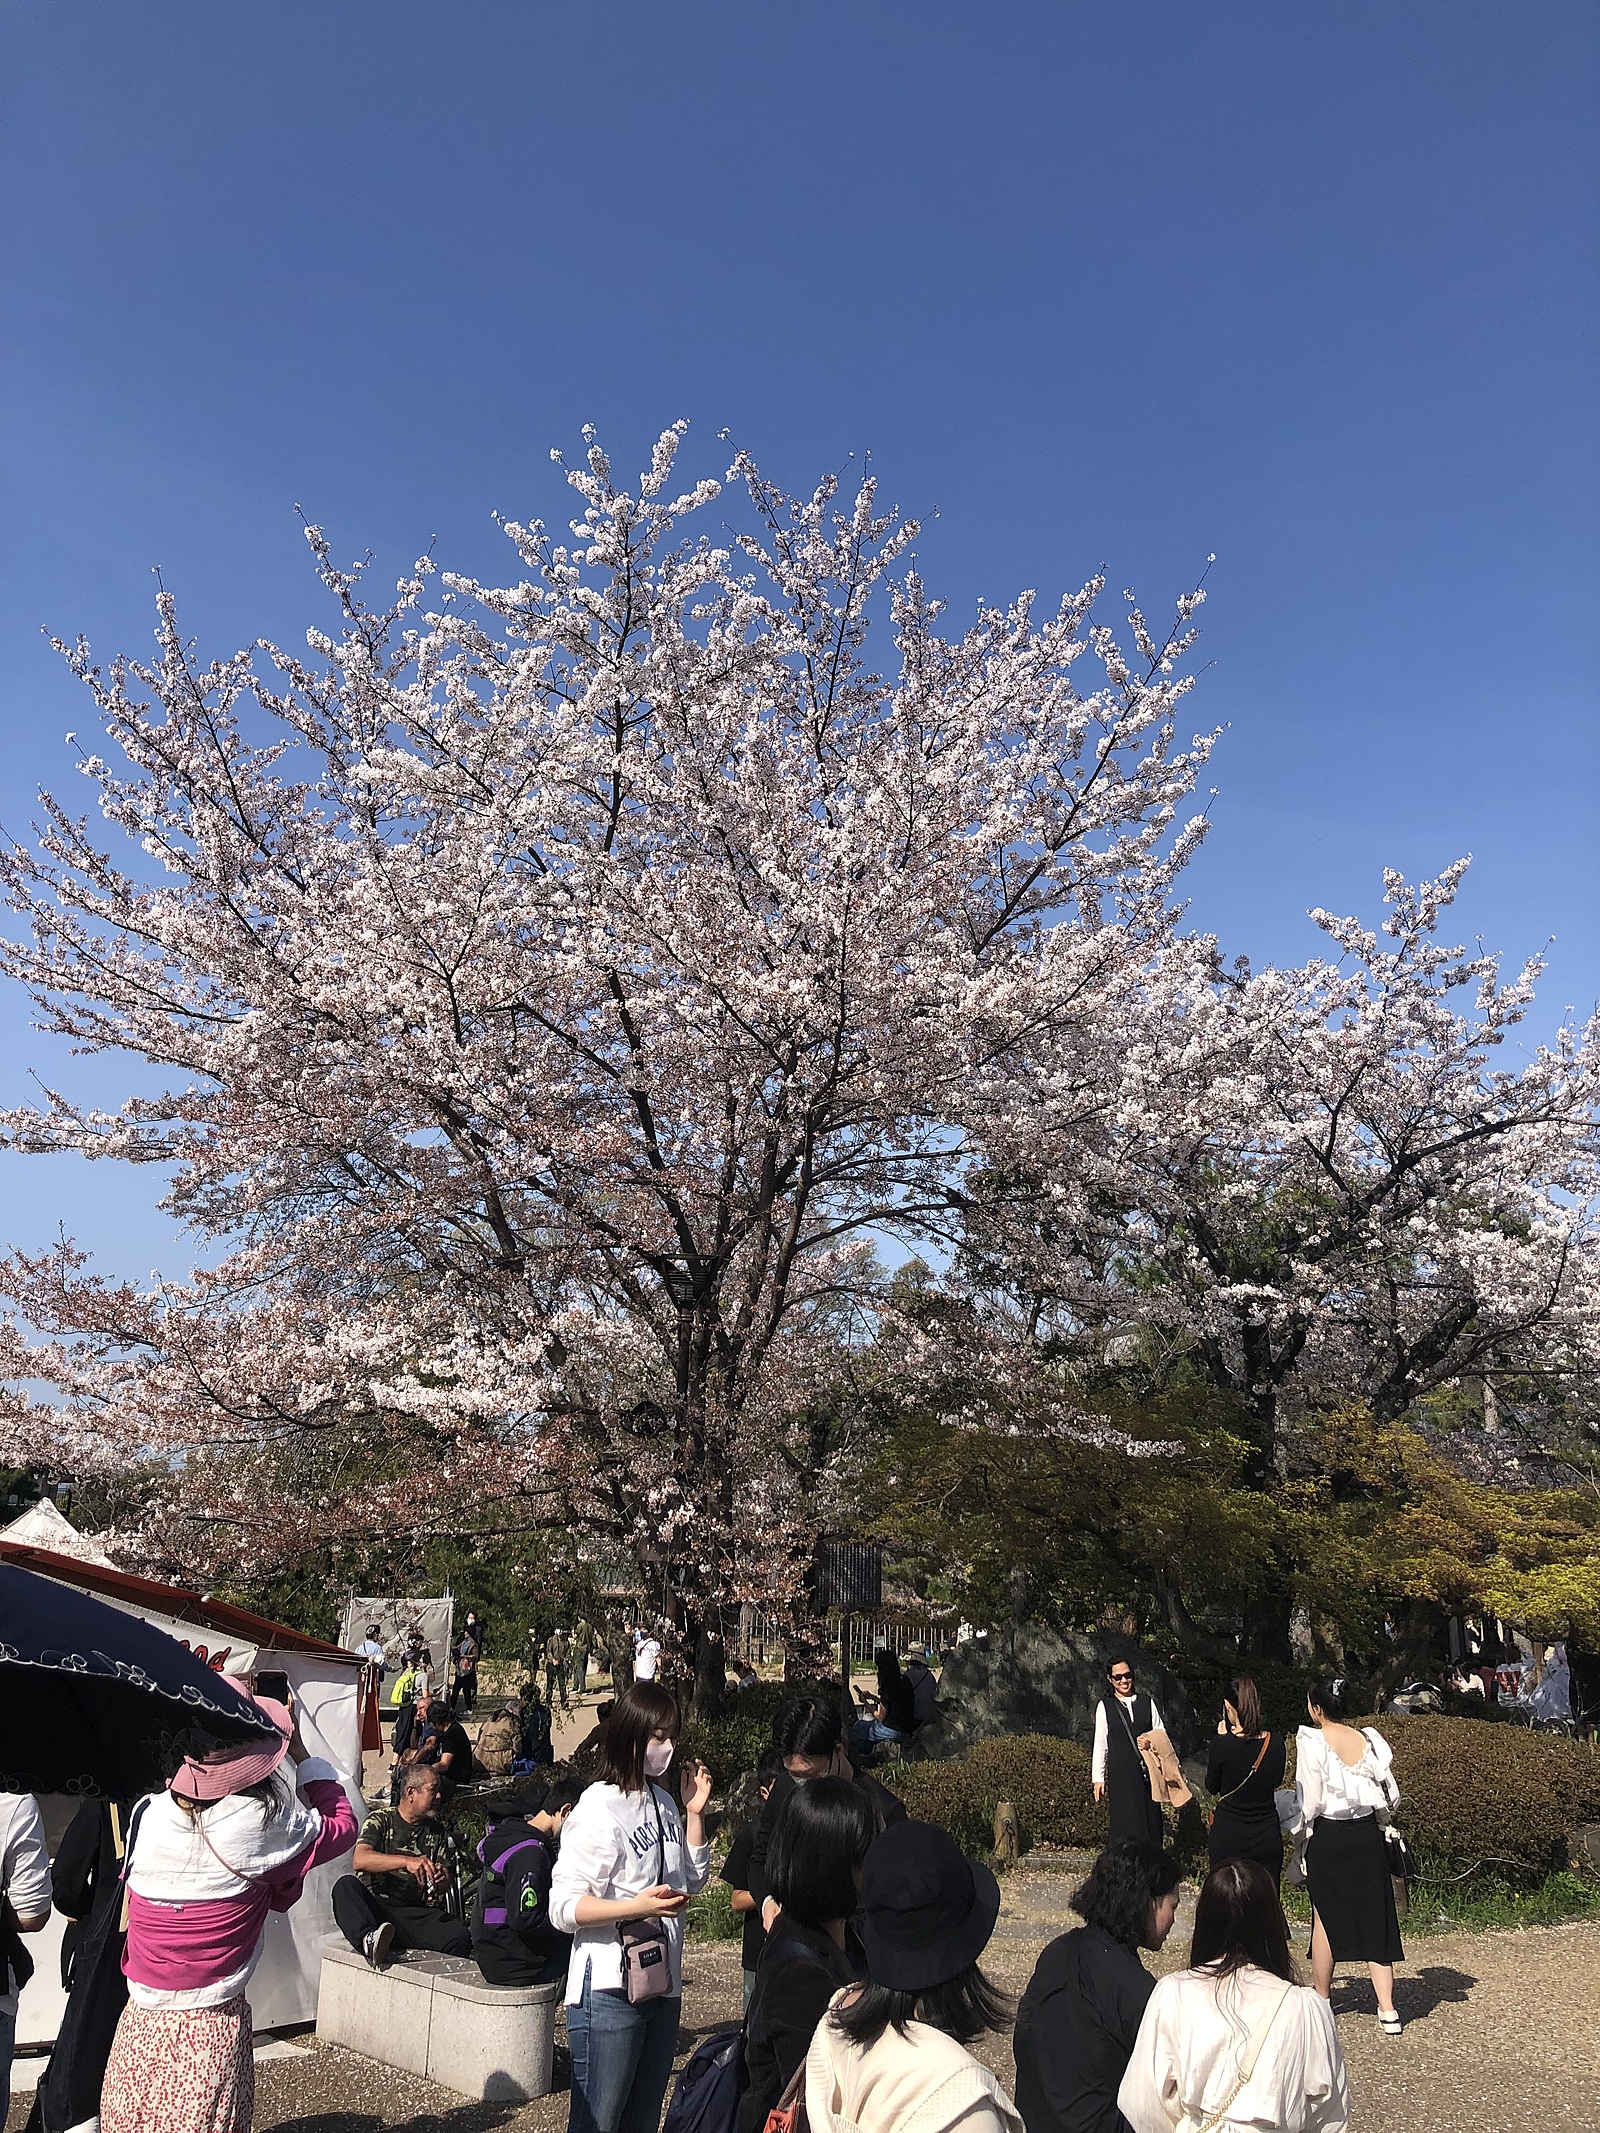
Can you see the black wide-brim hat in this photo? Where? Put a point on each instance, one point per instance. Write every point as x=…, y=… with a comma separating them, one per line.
x=928, y=1910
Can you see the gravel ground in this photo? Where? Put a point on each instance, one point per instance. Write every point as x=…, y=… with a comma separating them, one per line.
x=1503, y=2036
x=1502, y=2029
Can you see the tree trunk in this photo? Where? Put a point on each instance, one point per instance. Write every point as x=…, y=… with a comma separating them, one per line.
x=710, y=1668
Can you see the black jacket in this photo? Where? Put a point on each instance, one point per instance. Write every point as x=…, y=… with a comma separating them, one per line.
x=885, y=1809
x=513, y=1939
x=85, y=1883
x=1075, y=2032
x=801, y=1969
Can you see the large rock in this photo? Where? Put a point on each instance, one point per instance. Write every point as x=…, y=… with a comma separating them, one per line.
x=1032, y=1680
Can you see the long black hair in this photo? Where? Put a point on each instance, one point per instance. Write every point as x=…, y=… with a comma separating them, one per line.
x=1125, y=1883
x=1239, y=1920
x=821, y=1838
x=963, y=2007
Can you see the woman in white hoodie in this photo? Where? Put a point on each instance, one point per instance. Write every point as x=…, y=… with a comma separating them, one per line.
x=626, y=1868
x=890, y=2056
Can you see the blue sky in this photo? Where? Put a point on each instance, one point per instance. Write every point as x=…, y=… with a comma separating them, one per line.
x=1312, y=288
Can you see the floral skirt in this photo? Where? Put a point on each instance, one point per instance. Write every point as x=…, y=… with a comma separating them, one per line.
x=180, y=2070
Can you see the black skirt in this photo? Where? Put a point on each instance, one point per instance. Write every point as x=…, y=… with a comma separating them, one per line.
x=1236, y=1836
x=1347, y=1878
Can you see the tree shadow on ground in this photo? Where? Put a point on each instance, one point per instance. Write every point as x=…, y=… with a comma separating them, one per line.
x=466, y=2118
x=1415, y=1997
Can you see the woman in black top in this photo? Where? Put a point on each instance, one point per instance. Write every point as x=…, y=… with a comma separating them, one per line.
x=1083, y=2006
x=814, y=1873
x=1244, y=1766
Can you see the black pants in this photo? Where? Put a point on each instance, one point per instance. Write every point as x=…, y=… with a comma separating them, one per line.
x=416, y=1925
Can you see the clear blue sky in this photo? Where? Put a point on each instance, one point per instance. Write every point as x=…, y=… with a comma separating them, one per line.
x=1312, y=287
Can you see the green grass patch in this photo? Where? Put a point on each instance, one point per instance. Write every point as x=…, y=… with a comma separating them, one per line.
x=711, y=1916
x=1484, y=1903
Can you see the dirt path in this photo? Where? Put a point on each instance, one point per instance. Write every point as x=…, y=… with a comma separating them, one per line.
x=1503, y=2036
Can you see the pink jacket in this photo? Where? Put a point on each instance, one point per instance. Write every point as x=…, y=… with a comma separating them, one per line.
x=203, y=1944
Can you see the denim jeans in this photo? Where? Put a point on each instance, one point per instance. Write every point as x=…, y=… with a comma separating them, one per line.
x=621, y=2061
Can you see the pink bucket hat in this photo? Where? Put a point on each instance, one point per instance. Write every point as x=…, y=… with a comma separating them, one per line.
x=232, y=1768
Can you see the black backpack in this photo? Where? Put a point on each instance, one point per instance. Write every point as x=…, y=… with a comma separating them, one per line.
x=706, y=2095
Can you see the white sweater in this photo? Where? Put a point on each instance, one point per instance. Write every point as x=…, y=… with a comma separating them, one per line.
x=920, y=2081
x=610, y=1848
x=1192, y=2043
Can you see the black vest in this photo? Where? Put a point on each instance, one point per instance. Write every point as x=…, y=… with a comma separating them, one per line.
x=1124, y=1763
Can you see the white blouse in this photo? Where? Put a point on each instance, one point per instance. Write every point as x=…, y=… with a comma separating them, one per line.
x=1331, y=1791
x=1192, y=2043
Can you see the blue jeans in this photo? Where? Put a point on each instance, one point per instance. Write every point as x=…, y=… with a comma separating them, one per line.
x=621, y=2061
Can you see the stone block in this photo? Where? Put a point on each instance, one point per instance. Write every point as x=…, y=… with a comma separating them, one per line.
x=1027, y=1679
x=433, y=2015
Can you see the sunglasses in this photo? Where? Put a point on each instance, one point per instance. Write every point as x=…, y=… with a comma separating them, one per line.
x=1122, y=1677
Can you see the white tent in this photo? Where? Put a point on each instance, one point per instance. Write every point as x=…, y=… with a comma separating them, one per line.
x=42, y=1526
x=328, y=1689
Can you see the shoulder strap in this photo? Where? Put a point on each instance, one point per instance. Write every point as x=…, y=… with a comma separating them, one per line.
x=1247, y=2065
x=661, y=1835
x=1266, y=1743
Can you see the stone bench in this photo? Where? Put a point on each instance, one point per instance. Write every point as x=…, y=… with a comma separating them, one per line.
x=434, y=2015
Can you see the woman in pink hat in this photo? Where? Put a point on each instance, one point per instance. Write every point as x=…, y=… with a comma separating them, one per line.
x=232, y=1838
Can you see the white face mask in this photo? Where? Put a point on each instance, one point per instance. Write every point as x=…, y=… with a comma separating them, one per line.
x=657, y=1757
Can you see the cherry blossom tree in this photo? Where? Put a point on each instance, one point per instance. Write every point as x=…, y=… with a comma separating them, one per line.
x=560, y=989
x=1321, y=1185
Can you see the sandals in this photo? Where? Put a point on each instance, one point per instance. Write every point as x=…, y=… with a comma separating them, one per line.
x=1390, y=2023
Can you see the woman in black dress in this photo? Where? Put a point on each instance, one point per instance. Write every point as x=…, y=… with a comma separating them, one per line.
x=814, y=1869
x=1245, y=1768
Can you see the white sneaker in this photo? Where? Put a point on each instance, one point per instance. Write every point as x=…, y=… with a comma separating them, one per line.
x=377, y=1944
x=1390, y=2023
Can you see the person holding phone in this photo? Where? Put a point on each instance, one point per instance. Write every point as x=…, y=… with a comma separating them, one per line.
x=1244, y=1768
x=628, y=1865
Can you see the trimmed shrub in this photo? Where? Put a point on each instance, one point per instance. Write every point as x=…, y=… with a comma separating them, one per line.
x=730, y=1744
x=1046, y=1781
x=1479, y=1794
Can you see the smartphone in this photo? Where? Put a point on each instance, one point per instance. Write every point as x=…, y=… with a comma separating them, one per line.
x=271, y=1682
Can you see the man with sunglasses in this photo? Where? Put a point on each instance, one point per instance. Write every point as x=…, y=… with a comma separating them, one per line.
x=1121, y=1721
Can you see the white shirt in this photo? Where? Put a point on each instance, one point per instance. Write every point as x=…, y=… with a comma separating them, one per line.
x=610, y=1848
x=173, y=1863
x=24, y=1865
x=1098, y=1767
x=1331, y=1791
x=646, y=1659
x=1195, y=2036
x=371, y=1649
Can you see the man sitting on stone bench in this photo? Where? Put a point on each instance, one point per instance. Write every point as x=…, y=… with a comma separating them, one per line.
x=395, y=1898
x=512, y=1937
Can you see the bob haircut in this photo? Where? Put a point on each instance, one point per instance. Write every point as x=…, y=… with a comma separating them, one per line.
x=639, y=1713
x=1326, y=1691
x=963, y=2006
x=808, y=1725
x=1246, y=1700
x=1239, y=1920
x=1124, y=1885
x=821, y=1838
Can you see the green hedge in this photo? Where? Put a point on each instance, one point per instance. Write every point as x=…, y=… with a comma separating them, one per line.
x=1479, y=1795
x=1046, y=1781
x=1478, y=1799
x=730, y=1744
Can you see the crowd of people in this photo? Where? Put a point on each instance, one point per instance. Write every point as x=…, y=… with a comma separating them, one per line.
x=863, y=1930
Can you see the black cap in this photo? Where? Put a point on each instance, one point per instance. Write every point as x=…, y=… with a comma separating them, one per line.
x=928, y=1909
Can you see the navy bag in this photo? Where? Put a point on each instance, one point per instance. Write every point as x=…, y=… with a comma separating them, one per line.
x=705, y=2097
